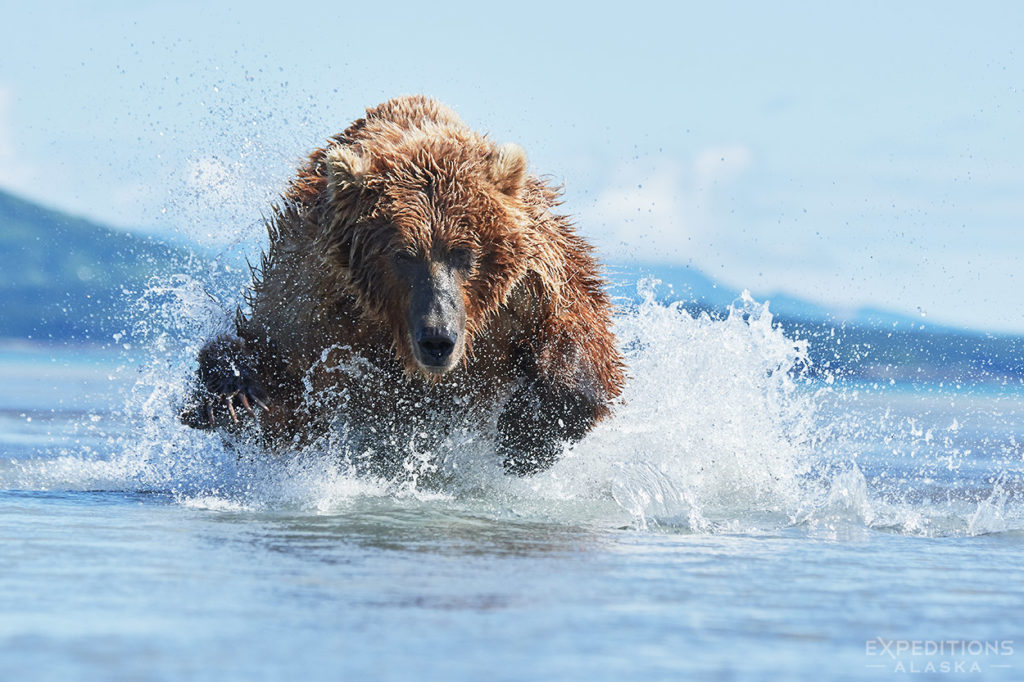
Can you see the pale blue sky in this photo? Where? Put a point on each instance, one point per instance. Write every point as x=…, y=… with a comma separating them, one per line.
x=868, y=155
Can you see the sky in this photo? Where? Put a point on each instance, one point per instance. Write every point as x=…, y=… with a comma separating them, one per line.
x=870, y=155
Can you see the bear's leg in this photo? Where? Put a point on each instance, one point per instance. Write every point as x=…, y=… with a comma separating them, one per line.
x=227, y=385
x=537, y=421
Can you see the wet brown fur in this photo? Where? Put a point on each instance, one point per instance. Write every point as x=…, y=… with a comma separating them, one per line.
x=412, y=176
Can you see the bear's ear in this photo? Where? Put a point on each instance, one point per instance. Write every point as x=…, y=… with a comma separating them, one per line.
x=506, y=168
x=345, y=168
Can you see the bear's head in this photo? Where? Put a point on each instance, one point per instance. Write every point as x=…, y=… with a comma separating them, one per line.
x=429, y=232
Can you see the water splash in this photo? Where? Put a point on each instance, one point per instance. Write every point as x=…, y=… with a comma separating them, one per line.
x=720, y=429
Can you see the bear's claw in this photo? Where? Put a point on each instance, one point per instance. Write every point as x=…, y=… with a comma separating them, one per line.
x=225, y=381
x=246, y=400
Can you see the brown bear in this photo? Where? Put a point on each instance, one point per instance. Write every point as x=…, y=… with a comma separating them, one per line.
x=418, y=279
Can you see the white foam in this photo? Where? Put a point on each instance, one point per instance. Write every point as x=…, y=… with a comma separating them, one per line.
x=717, y=431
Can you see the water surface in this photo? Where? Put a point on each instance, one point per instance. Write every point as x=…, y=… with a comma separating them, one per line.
x=732, y=521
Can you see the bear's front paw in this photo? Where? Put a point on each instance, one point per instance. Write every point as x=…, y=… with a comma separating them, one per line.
x=227, y=381
x=537, y=422
x=527, y=456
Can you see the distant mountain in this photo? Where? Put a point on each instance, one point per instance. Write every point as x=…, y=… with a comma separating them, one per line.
x=67, y=279
x=683, y=283
x=675, y=283
x=64, y=278
x=867, y=344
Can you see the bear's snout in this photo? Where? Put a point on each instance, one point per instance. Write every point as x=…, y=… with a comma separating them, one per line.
x=436, y=316
x=436, y=346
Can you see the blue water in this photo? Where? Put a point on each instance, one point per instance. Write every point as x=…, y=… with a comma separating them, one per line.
x=732, y=522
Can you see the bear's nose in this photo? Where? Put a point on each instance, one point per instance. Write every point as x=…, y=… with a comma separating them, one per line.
x=436, y=345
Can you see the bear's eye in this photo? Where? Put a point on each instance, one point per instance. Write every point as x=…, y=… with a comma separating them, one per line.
x=404, y=260
x=463, y=259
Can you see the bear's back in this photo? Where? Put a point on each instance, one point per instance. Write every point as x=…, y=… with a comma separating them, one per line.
x=384, y=125
x=408, y=112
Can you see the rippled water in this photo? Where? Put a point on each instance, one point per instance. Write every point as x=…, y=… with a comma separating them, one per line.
x=733, y=519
